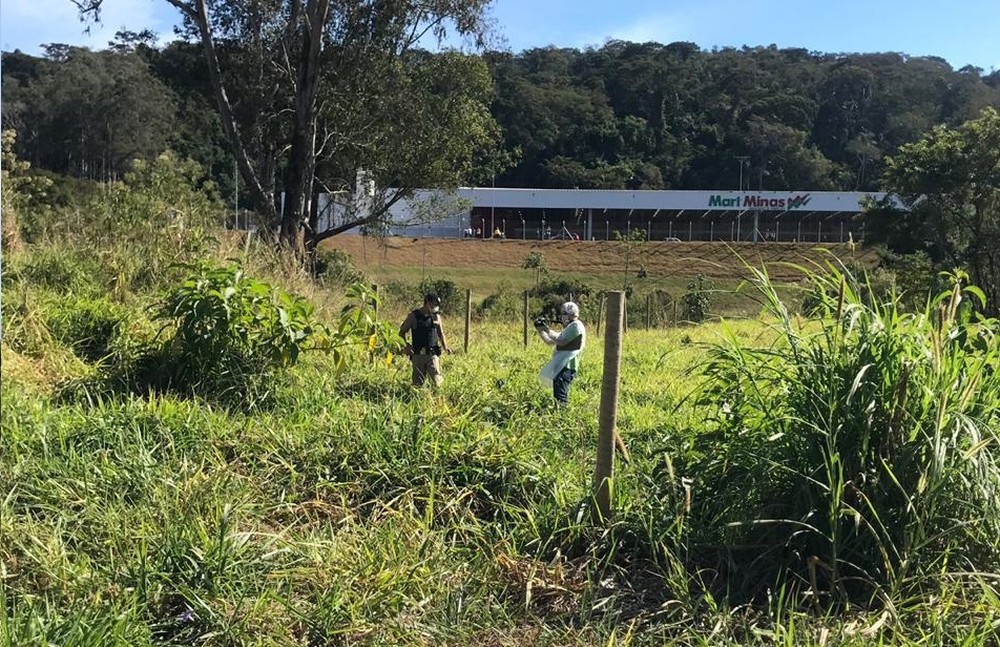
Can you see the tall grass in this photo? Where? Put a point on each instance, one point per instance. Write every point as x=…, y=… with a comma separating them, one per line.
x=826, y=481
x=858, y=452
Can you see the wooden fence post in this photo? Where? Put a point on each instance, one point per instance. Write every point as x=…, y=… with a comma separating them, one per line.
x=376, y=302
x=468, y=318
x=604, y=469
x=649, y=311
x=525, y=318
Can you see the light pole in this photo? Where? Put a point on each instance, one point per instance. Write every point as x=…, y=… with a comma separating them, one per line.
x=743, y=159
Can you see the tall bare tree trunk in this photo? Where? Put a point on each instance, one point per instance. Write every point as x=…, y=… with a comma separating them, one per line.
x=263, y=200
x=302, y=157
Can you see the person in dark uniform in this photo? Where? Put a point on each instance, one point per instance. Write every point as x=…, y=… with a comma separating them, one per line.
x=427, y=341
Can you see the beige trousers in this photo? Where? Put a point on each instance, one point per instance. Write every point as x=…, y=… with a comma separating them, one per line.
x=425, y=366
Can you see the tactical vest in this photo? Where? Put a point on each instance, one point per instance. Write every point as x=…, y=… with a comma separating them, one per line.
x=424, y=331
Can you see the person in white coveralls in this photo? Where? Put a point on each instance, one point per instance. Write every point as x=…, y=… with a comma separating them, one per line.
x=569, y=343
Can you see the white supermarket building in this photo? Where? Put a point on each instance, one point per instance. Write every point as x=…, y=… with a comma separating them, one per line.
x=760, y=216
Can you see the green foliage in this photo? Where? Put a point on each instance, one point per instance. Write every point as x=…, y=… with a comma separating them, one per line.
x=20, y=186
x=17, y=188
x=863, y=444
x=446, y=290
x=167, y=192
x=697, y=301
x=535, y=261
x=554, y=292
x=165, y=213
x=630, y=249
x=89, y=114
x=129, y=236
x=89, y=327
x=916, y=278
x=948, y=183
x=357, y=507
x=880, y=284
x=220, y=315
x=228, y=337
x=503, y=305
x=623, y=116
x=335, y=265
x=63, y=271
x=671, y=115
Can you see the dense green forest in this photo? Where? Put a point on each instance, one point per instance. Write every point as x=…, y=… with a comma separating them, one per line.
x=625, y=115
x=675, y=116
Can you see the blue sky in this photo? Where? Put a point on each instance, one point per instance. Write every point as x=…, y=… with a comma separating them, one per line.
x=961, y=31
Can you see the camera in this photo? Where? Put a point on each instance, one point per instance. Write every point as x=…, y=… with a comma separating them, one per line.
x=541, y=323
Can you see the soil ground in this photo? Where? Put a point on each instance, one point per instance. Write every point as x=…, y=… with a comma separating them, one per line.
x=714, y=259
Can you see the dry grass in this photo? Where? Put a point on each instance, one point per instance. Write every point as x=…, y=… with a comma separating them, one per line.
x=718, y=260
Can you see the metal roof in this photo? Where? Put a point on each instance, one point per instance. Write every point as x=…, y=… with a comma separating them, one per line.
x=822, y=201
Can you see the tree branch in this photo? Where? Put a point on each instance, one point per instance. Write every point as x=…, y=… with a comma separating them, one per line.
x=199, y=15
x=185, y=8
x=358, y=222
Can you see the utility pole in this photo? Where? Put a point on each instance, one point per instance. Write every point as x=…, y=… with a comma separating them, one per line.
x=493, y=204
x=743, y=160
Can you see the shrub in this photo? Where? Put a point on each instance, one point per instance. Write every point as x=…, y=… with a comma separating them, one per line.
x=146, y=227
x=916, y=277
x=228, y=336
x=504, y=304
x=19, y=188
x=224, y=320
x=553, y=292
x=697, y=300
x=335, y=265
x=535, y=261
x=400, y=294
x=447, y=291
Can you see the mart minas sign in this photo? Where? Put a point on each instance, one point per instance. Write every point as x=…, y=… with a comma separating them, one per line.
x=755, y=201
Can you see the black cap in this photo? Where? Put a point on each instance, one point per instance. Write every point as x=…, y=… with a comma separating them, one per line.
x=432, y=298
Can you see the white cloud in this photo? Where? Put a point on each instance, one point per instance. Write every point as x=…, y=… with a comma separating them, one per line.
x=664, y=28
x=27, y=24
x=661, y=27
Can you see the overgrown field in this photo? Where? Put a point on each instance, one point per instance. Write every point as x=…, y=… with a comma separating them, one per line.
x=192, y=455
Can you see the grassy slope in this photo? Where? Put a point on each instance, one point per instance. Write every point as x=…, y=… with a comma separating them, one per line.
x=357, y=512
x=354, y=509
x=718, y=260
x=483, y=266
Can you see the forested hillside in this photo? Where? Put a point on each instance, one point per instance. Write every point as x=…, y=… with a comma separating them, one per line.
x=625, y=115
x=674, y=116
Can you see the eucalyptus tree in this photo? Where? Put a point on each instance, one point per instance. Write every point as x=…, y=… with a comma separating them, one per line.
x=341, y=86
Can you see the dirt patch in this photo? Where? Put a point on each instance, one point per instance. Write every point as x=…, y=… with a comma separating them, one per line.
x=719, y=260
